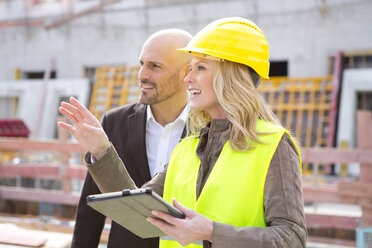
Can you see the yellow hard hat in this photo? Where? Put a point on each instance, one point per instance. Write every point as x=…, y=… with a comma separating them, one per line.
x=235, y=39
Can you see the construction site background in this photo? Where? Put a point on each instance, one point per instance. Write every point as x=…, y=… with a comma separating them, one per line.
x=320, y=88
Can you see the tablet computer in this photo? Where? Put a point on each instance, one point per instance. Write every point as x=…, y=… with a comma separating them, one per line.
x=130, y=208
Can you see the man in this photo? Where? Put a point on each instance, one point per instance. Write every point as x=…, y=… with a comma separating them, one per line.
x=144, y=133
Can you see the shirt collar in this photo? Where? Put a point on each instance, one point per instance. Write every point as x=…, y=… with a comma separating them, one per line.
x=149, y=115
x=183, y=116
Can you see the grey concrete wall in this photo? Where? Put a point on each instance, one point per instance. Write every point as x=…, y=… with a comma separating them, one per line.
x=298, y=31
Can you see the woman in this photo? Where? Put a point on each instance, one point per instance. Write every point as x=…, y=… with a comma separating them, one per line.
x=227, y=183
x=237, y=178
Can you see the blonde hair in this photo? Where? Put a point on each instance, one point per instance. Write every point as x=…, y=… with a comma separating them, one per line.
x=242, y=103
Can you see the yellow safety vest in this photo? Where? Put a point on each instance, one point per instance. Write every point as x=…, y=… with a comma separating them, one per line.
x=233, y=193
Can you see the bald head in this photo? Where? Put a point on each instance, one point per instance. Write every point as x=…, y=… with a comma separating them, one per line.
x=178, y=36
x=164, y=44
x=163, y=69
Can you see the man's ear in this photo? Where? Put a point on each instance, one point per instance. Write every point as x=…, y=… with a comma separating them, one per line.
x=186, y=70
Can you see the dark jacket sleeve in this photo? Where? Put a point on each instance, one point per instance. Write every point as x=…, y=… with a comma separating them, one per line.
x=89, y=223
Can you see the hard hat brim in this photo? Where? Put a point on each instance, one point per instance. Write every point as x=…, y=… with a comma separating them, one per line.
x=221, y=57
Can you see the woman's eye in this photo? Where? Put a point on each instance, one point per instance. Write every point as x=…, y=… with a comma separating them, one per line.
x=200, y=68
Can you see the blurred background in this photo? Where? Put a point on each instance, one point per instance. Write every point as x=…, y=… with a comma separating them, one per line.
x=320, y=87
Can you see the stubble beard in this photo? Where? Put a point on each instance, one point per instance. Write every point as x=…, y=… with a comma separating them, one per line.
x=156, y=97
x=145, y=98
x=148, y=100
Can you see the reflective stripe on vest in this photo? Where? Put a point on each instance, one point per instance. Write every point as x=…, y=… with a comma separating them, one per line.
x=233, y=192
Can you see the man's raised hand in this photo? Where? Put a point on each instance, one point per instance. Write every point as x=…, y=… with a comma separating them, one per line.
x=85, y=127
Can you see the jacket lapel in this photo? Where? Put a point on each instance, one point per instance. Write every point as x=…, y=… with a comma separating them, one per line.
x=137, y=141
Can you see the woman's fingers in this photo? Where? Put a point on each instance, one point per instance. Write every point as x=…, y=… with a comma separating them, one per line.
x=157, y=222
x=171, y=219
x=167, y=228
x=179, y=206
x=167, y=217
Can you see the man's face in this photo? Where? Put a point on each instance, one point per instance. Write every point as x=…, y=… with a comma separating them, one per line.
x=160, y=76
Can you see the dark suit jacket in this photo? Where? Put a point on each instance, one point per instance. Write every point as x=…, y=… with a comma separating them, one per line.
x=126, y=129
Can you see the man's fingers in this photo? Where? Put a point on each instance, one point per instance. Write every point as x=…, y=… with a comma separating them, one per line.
x=73, y=110
x=90, y=128
x=83, y=110
x=66, y=126
x=69, y=115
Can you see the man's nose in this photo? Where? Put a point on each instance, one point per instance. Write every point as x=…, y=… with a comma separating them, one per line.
x=143, y=74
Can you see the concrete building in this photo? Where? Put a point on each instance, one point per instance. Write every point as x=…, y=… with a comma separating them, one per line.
x=70, y=38
x=83, y=34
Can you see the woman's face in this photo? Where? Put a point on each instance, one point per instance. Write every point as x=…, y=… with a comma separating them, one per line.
x=200, y=87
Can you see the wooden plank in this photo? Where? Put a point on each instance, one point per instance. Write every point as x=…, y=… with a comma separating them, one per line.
x=299, y=122
x=335, y=155
x=25, y=221
x=363, y=189
x=279, y=102
x=42, y=171
x=310, y=115
x=335, y=195
x=39, y=195
x=30, y=171
x=108, y=94
x=332, y=241
x=302, y=107
x=125, y=90
x=290, y=112
x=297, y=86
x=63, y=136
x=337, y=68
x=16, y=144
x=358, y=53
x=364, y=127
x=21, y=237
x=364, y=121
x=76, y=172
x=321, y=113
x=331, y=221
x=328, y=194
x=297, y=79
x=111, y=88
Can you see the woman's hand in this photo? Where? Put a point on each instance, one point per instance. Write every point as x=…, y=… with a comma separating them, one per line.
x=193, y=228
x=86, y=128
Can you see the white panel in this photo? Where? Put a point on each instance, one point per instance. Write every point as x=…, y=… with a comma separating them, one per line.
x=354, y=81
x=7, y=105
x=39, y=101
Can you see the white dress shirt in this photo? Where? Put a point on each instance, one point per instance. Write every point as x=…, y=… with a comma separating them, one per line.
x=160, y=141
